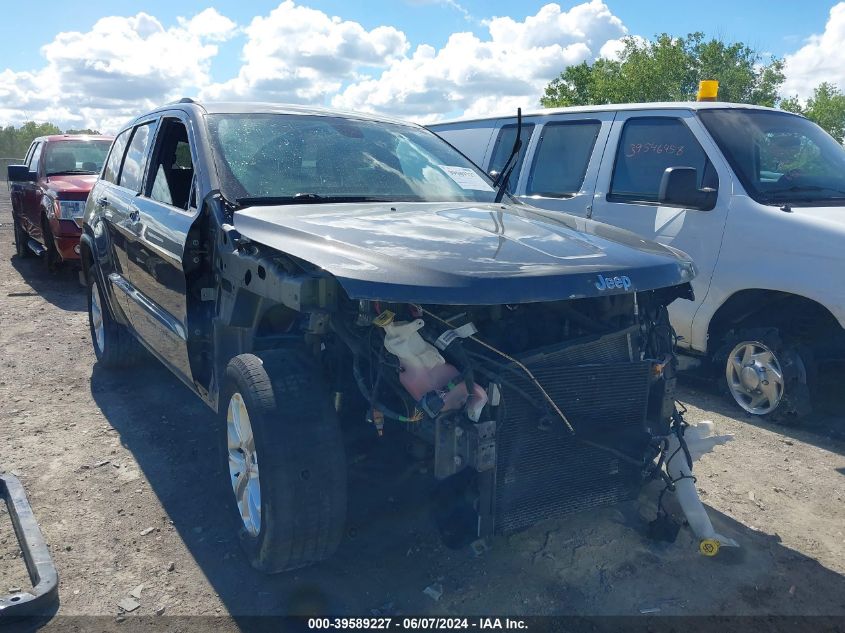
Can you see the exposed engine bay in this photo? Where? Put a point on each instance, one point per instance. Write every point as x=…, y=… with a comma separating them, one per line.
x=534, y=410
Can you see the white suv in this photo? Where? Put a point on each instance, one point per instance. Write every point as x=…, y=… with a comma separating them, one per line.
x=755, y=195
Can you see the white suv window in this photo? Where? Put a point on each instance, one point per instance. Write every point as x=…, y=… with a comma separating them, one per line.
x=563, y=154
x=647, y=147
x=503, y=148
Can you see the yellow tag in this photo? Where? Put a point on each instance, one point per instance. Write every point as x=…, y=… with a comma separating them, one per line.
x=385, y=318
x=709, y=547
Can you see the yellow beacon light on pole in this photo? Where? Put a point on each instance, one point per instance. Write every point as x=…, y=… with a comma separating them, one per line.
x=708, y=90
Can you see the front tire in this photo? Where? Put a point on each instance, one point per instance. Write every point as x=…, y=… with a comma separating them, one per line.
x=286, y=461
x=114, y=346
x=766, y=374
x=51, y=258
x=21, y=239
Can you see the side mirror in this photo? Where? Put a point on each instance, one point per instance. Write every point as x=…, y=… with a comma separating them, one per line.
x=20, y=173
x=679, y=188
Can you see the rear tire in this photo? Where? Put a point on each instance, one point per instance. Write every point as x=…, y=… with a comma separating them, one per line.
x=293, y=513
x=766, y=374
x=21, y=239
x=114, y=345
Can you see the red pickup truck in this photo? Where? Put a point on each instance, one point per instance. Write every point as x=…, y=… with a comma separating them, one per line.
x=49, y=192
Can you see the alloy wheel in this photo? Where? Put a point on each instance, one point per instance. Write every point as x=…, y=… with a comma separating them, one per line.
x=97, y=324
x=243, y=464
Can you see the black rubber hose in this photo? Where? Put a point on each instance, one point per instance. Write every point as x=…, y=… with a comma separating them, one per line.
x=362, y=386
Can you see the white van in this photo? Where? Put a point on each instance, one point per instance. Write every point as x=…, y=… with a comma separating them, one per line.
x=755, y=195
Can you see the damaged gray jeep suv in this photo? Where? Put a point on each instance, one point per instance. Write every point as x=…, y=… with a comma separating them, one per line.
x=291, y=263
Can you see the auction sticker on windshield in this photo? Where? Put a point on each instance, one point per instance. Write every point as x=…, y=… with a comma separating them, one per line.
x=466, y=178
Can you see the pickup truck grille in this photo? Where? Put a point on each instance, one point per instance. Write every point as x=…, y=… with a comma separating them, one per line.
x=543, y=471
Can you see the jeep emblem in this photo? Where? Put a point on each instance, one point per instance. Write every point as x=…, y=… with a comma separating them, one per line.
x=608, y=283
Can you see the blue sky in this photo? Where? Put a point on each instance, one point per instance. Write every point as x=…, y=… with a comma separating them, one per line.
x=772, y=26
x=384, y=38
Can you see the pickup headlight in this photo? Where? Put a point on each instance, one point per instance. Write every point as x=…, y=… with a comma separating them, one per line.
x=69, y=209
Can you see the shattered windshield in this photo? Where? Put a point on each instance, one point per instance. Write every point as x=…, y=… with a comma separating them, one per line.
x=293, y=159
x=780, y=158
x=75, y=157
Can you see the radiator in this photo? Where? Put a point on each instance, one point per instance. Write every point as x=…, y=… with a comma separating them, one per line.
x=543, y=471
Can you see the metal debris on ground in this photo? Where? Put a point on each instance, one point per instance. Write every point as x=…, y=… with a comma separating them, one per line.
x=128, y=604
x=34, y=551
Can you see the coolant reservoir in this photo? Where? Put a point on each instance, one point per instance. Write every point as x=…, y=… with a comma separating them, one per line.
x=423, y=368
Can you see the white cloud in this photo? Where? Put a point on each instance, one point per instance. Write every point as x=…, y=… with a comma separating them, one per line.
x=126, y=65
x=509, y=67
x=119, y=68
x=209, y=25
x=300, y=54
x=822, y=58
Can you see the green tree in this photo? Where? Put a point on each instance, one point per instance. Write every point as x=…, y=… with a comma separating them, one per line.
x=826, y=107
x=669, y=69
x=85, y=131
x=15, y=141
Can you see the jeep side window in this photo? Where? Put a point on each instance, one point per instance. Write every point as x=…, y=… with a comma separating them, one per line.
x=133, y=165
x=36, y=156
x=562, y=157
x=502, y=151
x=647, y=147
x=172, y=169
x=116, y=156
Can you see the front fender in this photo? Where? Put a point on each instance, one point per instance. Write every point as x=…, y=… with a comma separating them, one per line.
x=96, y=254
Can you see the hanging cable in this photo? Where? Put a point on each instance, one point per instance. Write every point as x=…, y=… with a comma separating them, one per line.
x=517, y=363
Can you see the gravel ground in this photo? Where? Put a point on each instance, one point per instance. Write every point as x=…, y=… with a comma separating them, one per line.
x=120, y=471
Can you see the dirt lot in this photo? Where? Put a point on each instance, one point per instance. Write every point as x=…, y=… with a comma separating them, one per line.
x=106, y=456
